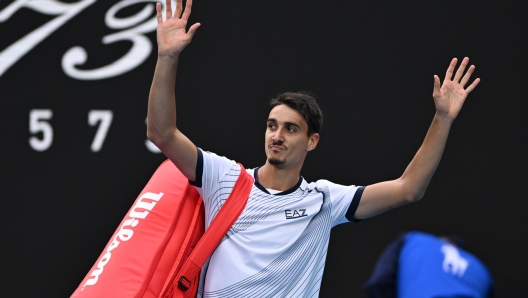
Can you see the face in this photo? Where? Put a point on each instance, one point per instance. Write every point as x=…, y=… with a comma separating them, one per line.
x=287, y=140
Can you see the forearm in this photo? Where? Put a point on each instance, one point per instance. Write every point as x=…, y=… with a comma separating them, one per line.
x=420, y=170
x=411, y=186
x=449, y=98
x=161, y=116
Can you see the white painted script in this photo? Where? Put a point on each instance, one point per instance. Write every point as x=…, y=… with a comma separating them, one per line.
x=133, y=29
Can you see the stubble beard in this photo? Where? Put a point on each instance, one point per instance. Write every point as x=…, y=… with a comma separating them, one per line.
x=276, y=162
x=279, y=163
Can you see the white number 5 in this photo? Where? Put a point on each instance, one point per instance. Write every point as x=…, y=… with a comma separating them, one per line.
x=105, y=118
x=38, y=124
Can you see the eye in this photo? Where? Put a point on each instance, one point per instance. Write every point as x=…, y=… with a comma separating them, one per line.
x=271, y=126
x=292, y=129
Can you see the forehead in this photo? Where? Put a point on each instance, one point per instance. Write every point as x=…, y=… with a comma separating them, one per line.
x=283, y=113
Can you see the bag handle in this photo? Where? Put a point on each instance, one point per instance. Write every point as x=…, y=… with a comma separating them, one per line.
x=223, y=221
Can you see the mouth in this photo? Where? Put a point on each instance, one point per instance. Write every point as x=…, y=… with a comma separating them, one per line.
x=276, y=147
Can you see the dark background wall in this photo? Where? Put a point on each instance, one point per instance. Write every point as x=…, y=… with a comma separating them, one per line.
x=371, y=65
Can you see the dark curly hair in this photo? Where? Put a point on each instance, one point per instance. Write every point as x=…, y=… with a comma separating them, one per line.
x=305, y=104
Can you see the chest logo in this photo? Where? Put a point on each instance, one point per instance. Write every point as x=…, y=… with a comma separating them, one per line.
x=296, y=213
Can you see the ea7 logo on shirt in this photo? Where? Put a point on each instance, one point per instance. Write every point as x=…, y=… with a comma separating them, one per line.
x=291, y=214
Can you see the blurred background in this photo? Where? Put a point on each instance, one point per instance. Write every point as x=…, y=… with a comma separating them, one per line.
x=74, y=83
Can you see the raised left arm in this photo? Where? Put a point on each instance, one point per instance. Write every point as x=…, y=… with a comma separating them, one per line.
x=411, y=186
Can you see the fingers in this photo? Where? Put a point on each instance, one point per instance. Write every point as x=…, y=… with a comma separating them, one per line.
x=179, y=8
x=468, y=74
x=192, y=30
x=436, y=86
x=180, y=12
x=450, y=69
x=465, y=78
x=473, y=85
x=187, y=11
x=168, y=9
x=158, y=13
x=461, y=69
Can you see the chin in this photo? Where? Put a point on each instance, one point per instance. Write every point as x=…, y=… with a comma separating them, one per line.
x=276, y=162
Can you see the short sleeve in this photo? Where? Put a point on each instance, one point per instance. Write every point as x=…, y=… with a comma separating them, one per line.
x=213, y=170
x=345, y=200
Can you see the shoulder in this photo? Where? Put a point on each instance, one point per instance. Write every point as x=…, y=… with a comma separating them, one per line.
x=210, y=167
x=325, y=184
x=337, y=191
x=213, y=157
x=212, y=162
x=251, y=172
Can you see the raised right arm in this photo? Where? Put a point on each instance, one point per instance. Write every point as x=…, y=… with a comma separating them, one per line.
x=161, y=118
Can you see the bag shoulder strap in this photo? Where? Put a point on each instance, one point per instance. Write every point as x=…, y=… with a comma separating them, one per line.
x=220, y=225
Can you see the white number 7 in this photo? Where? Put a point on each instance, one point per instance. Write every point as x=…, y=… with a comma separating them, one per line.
x=105, y=118
x=63, y=11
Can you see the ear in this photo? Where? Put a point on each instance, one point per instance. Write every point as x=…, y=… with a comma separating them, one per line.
x=312, y=143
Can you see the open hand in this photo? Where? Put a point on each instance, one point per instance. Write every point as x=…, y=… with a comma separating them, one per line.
x=171, y=33
x=450, y=97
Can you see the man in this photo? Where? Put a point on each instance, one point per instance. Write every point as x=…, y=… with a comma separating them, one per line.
x=277, y=247
x=419, y=265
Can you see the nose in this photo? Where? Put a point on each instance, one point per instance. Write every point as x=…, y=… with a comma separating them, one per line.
x=277, y=138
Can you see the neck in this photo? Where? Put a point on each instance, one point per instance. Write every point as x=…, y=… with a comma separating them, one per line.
x=276, y=178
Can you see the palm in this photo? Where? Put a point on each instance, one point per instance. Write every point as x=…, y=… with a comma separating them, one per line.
x=171, y=33
x=450, y=97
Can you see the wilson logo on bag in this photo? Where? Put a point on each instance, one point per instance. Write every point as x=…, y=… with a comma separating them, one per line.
x=160, y=245
x=140, y=210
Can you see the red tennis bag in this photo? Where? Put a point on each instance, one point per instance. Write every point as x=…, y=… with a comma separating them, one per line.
x=160, y=246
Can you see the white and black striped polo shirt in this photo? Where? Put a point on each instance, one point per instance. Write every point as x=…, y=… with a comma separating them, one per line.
x=278, y=245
